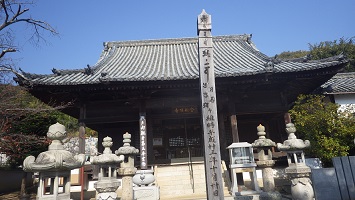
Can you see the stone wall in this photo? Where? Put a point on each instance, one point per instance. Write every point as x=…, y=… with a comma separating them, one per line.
x=11, y=180
x=72, y=145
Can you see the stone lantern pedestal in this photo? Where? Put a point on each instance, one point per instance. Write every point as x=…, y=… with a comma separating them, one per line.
x=127, y=169
x=265, y=162
x=107, y=183
x=144, y=186
x=297, y=170
x=54, y=166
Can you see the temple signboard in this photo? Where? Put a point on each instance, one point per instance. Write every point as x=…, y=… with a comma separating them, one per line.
x=185, y=110
x=213, y=172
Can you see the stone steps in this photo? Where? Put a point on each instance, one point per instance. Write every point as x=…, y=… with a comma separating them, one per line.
x=179, y=180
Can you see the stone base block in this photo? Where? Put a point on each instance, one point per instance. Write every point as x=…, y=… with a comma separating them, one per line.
x=146, y=193
x=51, y=197
x=107, y=196
x=270, y=196
x=247, y=197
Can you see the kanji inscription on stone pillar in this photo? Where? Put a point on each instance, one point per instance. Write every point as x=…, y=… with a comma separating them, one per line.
x=212, y=155
x=143, y=141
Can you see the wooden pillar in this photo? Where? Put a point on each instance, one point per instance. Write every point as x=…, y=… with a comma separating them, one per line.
x=82, y=137
x=150, y=149
x=222, y=137
x=82, y=129
x=148, y=139
x=235, y=137
x=234, y=121
x=287, y=118
x=82, y=146
x=234, y=127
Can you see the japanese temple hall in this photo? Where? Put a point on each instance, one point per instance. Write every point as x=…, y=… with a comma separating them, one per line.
x=159, y=79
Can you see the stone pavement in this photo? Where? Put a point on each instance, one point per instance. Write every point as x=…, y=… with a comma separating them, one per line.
x=227, y=197
x=15, y=195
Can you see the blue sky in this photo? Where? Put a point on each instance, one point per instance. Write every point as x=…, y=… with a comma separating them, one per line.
x=83, y=26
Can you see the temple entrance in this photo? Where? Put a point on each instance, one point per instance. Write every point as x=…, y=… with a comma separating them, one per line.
x=177, y=139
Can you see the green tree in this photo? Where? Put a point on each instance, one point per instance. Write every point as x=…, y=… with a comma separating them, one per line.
x=293, y=54
x=72, y=126
x=332, y=48
x=18, y=146
x=326, y=49
x=331, y=132
x=14, y=13
x=23, y=124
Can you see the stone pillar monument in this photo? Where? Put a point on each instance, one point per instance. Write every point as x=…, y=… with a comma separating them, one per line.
x=213, y=171
x=127, y=169
x=297, y=170
x=144, y=188
x=265, y=162
x=54, y=166
x=107, y=183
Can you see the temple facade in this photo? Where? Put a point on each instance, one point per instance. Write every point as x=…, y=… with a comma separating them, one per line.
x=159, y=79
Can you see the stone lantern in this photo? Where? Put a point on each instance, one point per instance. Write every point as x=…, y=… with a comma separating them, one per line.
x=107, y=183
x=127, y=169
x=297, y=170
x=265, y=162
x=54, y=166
x=242, y=160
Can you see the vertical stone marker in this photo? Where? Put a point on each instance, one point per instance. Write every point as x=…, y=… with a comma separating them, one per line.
x=143, y=141
x=214, y=185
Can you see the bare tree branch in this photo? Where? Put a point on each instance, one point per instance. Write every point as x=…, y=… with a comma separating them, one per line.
x=3, y=52
x=37, y=110
x=13, y=12
x=16, y=103
x=4, y=68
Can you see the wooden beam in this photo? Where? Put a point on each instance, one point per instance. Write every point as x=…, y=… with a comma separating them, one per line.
x=111, y=119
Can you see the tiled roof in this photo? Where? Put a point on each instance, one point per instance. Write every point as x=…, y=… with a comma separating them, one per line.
x=175, y=59
x=341, y=83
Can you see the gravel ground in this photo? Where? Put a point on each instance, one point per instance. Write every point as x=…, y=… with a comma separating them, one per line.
x=15, y=195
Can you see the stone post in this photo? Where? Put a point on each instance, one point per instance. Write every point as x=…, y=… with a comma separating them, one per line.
x=144, y=188
x=213, y=171
x=127, y=169
x=107, y=183
x=297, y=170
x=265, y=162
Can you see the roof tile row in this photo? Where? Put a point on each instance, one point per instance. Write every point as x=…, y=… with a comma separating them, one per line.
x=341, y=83
x=174, y=59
